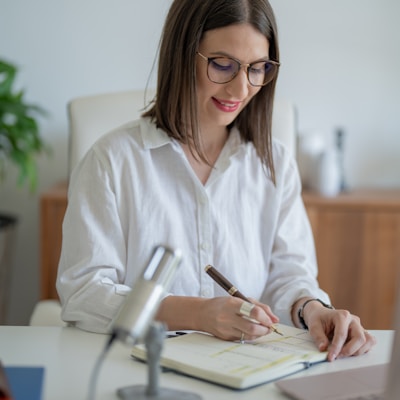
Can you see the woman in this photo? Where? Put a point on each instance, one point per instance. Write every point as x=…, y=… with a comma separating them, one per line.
x=200, y=172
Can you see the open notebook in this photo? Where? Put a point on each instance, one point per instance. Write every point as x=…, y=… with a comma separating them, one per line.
x=375, y=382
x=237, y=365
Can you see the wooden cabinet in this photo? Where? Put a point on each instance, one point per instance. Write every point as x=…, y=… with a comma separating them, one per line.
x=53, y=204
x=357, y=237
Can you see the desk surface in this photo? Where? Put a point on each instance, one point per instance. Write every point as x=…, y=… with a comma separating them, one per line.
x=69, y=354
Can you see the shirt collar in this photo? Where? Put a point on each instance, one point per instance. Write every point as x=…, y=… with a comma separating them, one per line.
x=152, y=137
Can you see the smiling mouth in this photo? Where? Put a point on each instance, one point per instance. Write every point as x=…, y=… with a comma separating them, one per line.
x=226, y=105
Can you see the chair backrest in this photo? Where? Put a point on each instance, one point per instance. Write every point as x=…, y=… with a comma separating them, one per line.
x=92, y=116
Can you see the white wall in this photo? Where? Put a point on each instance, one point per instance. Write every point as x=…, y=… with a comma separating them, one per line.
x=340, y=65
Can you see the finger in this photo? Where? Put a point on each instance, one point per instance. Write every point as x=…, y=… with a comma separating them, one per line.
x=267, y=310
x=338, y=341
x=256, y=315
x=349, y=336
x=251, y=327
x=253, y=331
x=319, y=336
x=358, y=345
x=368, y=345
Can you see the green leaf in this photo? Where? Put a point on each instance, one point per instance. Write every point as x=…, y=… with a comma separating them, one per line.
x=20, y=139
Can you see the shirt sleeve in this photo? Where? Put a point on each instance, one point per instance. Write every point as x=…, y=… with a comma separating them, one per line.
x=93, y=257
x=293, y=267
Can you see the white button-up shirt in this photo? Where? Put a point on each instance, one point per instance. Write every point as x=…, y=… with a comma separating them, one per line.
x=135, y=189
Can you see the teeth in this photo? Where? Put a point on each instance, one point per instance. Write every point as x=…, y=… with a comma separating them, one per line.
x=227, y=104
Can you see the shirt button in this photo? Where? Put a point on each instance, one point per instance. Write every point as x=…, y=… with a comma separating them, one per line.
x=203, y=200
x=205, y=293
x=205, y=246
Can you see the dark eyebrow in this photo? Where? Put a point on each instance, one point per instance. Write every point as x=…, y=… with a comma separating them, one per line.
x=223, y=54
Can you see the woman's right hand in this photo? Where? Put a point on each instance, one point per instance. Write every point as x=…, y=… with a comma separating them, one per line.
x=229, y=318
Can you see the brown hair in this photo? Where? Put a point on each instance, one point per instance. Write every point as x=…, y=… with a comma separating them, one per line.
x=175, y=107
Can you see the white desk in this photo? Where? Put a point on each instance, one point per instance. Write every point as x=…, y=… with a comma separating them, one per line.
x=68, y=356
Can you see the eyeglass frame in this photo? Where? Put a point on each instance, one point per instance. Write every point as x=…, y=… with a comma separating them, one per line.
x=210, y=59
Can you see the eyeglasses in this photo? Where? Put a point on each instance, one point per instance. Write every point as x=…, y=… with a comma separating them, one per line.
x=224, y=69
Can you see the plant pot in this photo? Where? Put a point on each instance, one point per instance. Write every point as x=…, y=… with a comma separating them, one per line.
x=7, y=229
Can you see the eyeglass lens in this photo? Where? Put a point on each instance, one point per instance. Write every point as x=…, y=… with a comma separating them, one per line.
x=224, y=69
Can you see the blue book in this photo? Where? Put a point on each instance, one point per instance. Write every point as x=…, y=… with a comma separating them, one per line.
x=26, y=383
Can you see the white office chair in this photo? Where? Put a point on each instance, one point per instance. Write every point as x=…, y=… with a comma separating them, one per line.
x=47, y=313
x=92, y=116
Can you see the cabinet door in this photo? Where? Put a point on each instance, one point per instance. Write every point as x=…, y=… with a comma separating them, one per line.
x=381, y=268
x=358, y=254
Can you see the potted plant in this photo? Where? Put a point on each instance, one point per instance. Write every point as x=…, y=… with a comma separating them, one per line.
x=20, y=143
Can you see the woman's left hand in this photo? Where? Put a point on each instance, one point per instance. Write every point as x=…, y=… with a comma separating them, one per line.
x=337, y=331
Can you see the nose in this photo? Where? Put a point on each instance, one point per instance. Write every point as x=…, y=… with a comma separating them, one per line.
x=239, y=86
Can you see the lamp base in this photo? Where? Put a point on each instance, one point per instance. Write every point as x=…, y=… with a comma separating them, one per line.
x=140, y=392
